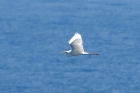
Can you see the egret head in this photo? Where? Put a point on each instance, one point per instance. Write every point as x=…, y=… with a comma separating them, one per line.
x=68, y=53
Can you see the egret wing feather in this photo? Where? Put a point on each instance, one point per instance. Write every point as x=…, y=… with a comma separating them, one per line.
x=76, y=43
x=77, y=48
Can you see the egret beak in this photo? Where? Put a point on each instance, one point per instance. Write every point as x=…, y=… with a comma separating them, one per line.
x=62, y=52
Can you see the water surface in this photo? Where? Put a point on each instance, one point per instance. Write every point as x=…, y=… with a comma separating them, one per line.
x=33, y=33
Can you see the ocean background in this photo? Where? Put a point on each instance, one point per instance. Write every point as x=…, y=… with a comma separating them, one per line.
x=34, y=32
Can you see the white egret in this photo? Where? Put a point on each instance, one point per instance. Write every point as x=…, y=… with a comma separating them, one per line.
x=76, y=44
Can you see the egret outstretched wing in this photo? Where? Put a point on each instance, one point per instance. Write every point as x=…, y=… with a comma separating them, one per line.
x=76, y=43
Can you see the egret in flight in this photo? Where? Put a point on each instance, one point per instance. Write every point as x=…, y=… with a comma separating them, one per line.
x=76, y=44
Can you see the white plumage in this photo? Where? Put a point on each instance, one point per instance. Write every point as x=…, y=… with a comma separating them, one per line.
x=76, y=44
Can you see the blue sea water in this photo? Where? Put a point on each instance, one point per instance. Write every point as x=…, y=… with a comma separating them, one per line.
x=34, y=32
